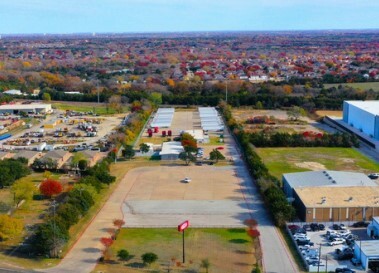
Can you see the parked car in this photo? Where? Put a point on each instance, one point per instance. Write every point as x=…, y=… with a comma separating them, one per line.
x=300, y=242
x=300, y=236
x=345, y=256
x=339, y=227
x=344, y=270
x=361, y=224
x=299, y=230
x=336, y=241
x=344, y=232
x=321, y=226
x=314, y=227
x=293, y=227
x=373, y=175
x=187, y=180
x=307, y=227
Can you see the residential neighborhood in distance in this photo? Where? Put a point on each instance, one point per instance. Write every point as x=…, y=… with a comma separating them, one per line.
x=189, y=136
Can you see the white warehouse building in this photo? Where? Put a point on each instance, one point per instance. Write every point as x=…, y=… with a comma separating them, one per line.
x=363, y=116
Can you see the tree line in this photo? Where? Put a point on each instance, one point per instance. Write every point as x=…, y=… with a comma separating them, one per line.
x=278, y=139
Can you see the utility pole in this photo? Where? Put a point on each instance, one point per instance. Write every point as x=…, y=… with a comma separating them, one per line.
x=226, y=91
x=319, y=259
x=54, y=204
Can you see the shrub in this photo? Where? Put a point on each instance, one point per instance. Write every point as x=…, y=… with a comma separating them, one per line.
x=50, y=187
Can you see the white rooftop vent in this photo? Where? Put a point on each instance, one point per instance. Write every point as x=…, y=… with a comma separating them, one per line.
x=350, y=199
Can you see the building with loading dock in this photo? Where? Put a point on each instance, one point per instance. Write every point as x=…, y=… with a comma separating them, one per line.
x=323, y=196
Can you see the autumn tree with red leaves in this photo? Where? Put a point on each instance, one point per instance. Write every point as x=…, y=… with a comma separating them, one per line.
x=118, y=223
x=106, y=242
x=50, y=187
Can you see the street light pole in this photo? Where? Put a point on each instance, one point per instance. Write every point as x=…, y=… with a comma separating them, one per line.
x=226, y=91
x=319, y=259
x=54, y=204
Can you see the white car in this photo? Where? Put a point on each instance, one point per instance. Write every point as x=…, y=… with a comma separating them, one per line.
x=187, y=180
x=344, y=232
x=337, y=241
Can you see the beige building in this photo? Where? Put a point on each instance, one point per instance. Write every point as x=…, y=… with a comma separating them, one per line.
x=60, y=156
x=324, y=204
x=31, y=156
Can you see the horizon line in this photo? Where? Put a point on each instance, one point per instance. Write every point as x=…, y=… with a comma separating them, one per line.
x=186, y=31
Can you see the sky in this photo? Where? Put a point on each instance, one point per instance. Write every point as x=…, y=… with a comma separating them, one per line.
x=78, y=16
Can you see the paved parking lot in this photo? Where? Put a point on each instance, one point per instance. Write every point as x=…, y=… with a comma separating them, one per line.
x=329, y=252
x=159, y=197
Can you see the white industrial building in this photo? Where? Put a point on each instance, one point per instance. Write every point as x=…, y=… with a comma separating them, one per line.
x=36, y=108
x=163, y=118
x=363, y=116
x=210, y=120
x=198, y=135
x=171, y=150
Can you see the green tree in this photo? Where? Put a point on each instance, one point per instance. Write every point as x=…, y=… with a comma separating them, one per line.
x=216, y=155
x=46, y=97
x=93, y=181
x=11, y=170
x=128, y=152
x=295, y=112
x=10, y=227
x=259, y=105
x=144, y=148
x=83, y=164
x=205, y=264
x=69, y=213
x=187, y=155
x=156, y=98
x=50, y=237
x=123, y=254
x=149, y=258
x=23, y=190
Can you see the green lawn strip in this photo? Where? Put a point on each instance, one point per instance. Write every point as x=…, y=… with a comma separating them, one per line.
x=283, y=160
x=362, y=85
x=101, y=110
x=167, y=244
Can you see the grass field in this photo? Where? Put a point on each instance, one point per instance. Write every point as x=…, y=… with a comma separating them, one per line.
x=285, y=160
x=86, y=107
x=228, y=250
x=362, y=85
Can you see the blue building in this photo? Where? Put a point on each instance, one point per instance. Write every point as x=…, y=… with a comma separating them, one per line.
x=363, y=116
x=373, y=228
x=367, y=252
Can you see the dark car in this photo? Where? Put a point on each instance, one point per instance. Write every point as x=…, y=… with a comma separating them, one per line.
x=345, y=256
x=361, y=224
x=321, y=227
x=337, y=227
x=314, y=227
x=307, y=227
x=301, y=242
x=299, y=230
x=291, y=227
x=344, y=270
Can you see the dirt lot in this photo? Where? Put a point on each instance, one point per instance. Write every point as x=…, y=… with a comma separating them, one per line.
x=323, y=113
x=280, y=118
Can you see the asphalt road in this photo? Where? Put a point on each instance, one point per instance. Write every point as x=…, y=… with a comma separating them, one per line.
x=276, y=256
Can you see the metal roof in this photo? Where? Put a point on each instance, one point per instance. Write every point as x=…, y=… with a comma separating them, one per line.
x=327, y=178
x=369, y=248
x=370, y=106
x=172, y=147
x=163, y=117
